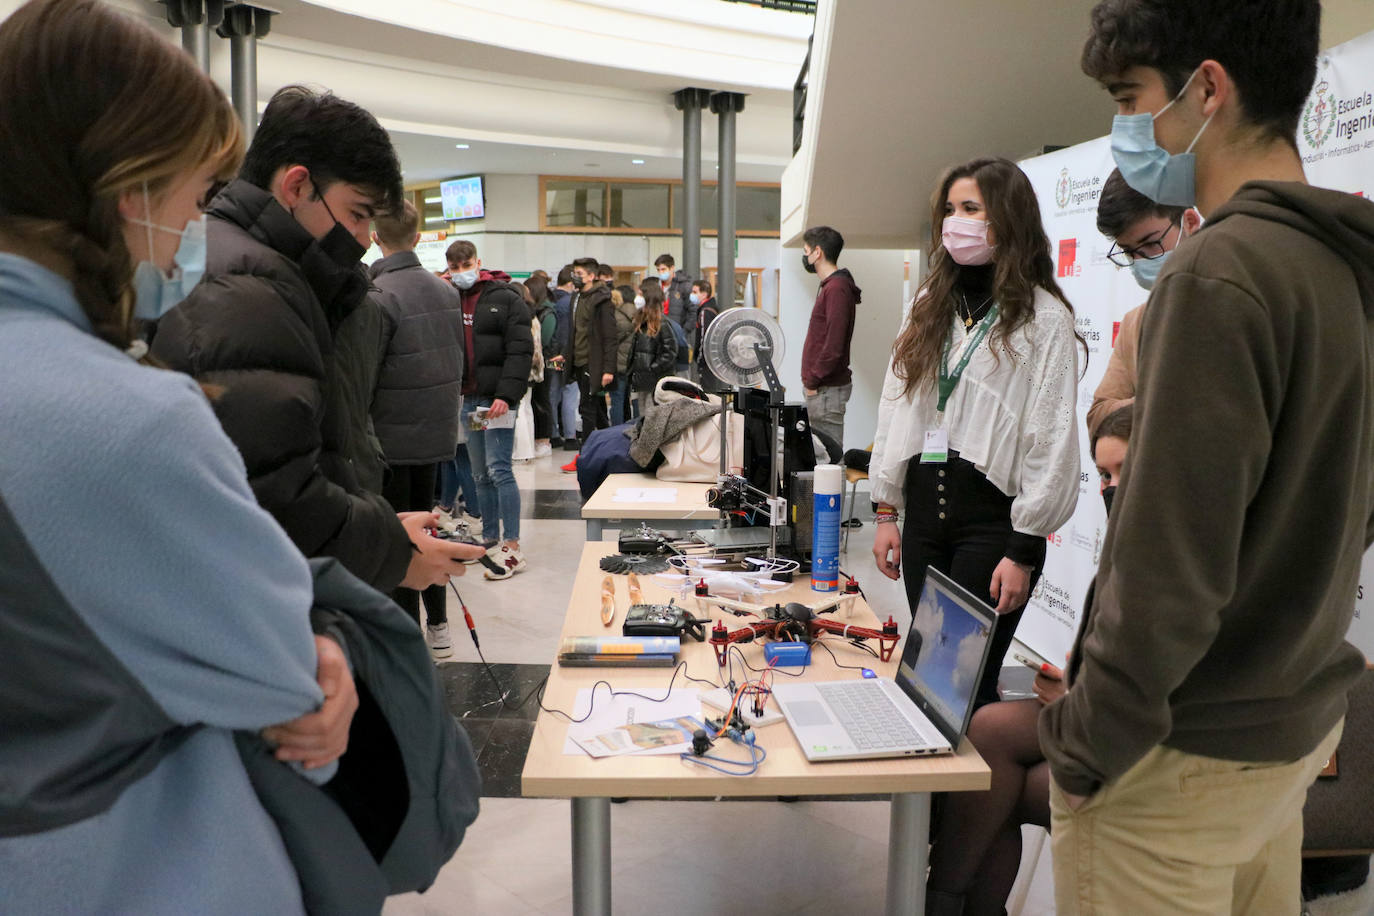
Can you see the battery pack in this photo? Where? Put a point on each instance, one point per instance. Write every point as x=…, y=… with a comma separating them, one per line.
x=787, y=654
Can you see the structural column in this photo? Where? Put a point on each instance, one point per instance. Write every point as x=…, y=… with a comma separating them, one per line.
x=725, y=105
x=195, y=18
x=243, y=26
x=690, y=102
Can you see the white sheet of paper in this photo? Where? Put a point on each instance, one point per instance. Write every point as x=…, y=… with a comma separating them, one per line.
x=645, y=495
x=611, y=711
x=505, y=421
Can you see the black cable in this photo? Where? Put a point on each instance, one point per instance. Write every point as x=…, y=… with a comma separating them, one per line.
x=680, y=669
x=775, y=669
x=837, y=662
x=501, y=692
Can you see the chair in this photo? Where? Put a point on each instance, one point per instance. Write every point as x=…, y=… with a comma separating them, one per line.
x=852, y=476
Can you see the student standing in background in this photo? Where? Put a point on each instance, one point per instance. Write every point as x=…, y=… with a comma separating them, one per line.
x=826, y=378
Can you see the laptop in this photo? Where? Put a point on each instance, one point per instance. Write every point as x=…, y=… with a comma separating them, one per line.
x=926, y=710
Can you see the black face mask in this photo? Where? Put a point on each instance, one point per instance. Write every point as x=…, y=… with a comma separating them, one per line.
x=338, y=244
x=1107, y=494
x=806, y=262
x=341, y=247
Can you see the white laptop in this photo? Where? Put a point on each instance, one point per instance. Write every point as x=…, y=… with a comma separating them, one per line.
x=926, y=710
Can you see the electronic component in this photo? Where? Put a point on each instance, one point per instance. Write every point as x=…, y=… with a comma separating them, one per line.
x=662, y=620
x=787, y=654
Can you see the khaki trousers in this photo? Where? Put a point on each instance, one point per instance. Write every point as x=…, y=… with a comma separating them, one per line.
x=1182, y=834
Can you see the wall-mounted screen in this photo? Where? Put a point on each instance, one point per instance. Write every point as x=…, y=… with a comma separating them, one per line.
x=463, y=198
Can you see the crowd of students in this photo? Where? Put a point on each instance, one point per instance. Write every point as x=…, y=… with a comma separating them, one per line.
x=318, y=413
x=603, y=349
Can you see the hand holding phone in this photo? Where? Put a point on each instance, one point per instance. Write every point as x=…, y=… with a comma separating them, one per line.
x=1045, y=669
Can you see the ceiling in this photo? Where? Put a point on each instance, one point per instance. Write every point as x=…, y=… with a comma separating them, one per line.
x=429, y=158
x=899, y=92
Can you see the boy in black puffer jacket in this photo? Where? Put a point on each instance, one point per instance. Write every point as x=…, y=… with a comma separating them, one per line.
x=500, y=350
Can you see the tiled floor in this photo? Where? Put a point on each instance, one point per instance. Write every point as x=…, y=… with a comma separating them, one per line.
x=676, y=857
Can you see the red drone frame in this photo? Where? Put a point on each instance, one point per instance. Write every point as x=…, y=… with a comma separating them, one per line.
x=795, y=622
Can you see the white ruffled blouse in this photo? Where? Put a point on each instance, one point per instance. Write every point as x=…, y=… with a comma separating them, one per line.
x=1013, y=417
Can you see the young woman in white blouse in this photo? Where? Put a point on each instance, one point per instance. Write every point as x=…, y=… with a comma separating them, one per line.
x=977, y=440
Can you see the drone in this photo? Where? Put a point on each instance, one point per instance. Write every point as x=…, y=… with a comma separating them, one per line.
x=796, y=622
x=697, y=575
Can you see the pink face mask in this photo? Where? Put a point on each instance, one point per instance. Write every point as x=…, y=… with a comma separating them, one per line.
x=966, y=240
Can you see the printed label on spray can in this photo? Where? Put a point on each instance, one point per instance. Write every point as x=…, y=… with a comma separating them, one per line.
x=825, y=543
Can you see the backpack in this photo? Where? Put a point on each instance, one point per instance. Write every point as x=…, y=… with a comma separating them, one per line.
x=679, y=336
x=537, y=363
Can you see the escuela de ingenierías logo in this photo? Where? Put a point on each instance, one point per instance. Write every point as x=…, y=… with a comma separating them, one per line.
x=1076, y=195
x=1319, y=117
x=1063, y=189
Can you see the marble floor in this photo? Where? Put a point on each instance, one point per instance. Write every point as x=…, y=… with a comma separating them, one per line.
x=678, y=857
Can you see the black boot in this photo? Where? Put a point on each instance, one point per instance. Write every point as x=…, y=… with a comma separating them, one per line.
x=938, y=903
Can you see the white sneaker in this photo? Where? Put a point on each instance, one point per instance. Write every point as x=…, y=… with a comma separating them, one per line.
x=543, y=448
x=505, y=562
x=448, y=523
x=440, y=646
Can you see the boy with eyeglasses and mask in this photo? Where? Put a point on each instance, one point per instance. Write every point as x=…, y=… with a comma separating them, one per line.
x=1142, y=233
x=1209, y=676
x=284, y=328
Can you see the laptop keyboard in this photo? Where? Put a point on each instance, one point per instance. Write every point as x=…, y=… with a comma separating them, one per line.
x=869, y=717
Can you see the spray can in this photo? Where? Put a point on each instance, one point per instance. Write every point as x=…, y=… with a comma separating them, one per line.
x=825, y=528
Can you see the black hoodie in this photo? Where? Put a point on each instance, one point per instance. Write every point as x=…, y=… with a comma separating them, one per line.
x=1232, y=555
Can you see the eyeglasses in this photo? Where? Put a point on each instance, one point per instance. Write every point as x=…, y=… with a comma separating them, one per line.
x=1147, y=250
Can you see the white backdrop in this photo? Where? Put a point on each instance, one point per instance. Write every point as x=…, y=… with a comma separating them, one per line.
x=1336, y=140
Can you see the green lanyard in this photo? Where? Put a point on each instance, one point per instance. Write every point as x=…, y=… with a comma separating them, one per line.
x=949, y=379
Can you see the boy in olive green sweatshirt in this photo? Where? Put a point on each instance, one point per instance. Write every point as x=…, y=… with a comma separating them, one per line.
x=1208, y=680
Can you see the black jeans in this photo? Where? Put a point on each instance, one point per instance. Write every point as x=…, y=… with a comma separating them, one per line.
x=411, y=489
x=593, y=406
x=959, y=522
x=539, y=403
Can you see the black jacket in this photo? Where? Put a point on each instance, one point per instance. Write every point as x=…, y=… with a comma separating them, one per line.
x=294, y=341
x=408, y=786
x=594, y=334
x=678, y=296
x=502, y=341
x=415, y=409
x=652, y=358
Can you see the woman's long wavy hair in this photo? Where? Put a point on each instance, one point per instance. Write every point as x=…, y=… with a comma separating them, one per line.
x=1022, y=262
x=650, y=318
x=94, y=104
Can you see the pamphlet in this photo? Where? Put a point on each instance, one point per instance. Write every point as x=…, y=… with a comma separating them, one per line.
x=669, y=736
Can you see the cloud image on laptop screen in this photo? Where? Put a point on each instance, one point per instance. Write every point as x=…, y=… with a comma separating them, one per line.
x=952, y=642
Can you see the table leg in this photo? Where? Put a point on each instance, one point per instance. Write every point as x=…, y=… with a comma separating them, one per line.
x=591, y=856
x=593, y=529
x=908, y=843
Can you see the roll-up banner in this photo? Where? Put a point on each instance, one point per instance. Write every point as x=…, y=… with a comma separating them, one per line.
x=1336, y=142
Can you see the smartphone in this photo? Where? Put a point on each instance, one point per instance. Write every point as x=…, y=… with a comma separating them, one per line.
x=1038, y=667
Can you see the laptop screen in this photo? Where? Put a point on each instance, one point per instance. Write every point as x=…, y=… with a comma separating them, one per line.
x=945, y=652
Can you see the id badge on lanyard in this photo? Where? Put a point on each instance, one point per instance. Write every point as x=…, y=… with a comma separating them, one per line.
x=936, y=449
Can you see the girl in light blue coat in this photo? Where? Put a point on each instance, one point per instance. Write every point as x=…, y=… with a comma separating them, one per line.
x=148, y=607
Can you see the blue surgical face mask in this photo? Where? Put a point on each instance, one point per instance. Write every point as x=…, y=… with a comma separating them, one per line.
x=665, y=275
x=156, y=293
x=465, y=279
x=695, y=298
x=1146, y=270
x=1164, y=178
